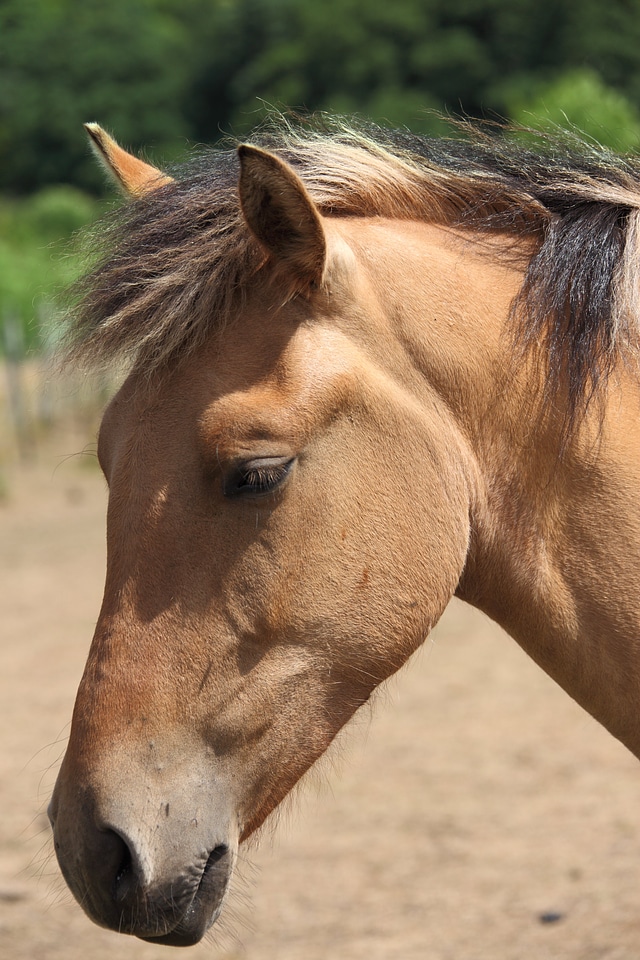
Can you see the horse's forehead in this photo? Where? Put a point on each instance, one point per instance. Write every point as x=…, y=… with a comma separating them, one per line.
x=237, y=388
x=314, y=353
x=317, y=364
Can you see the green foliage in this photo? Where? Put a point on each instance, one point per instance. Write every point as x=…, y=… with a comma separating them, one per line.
x=55, y=212
x=63, y=62
x=395, y=60
x=341, y=56
x=39, y=257
x=579, y=100
x=159, y=72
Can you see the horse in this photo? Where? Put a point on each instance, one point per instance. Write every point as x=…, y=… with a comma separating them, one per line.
x=366, y=372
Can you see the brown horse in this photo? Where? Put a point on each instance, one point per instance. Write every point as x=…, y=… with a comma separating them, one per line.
x=367, y=373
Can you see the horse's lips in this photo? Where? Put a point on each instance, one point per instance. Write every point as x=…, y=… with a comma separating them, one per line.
x=206, y=905
x=188, y=932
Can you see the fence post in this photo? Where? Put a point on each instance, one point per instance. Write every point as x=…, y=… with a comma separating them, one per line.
x=13, y=343
x=44, y=399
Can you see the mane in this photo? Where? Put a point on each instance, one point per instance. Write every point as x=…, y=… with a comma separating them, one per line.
x=175, y=263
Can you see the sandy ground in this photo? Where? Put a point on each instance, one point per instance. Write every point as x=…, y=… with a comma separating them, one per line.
x=473, y=801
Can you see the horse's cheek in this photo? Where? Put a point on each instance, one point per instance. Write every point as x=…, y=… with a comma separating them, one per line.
x=372, y=580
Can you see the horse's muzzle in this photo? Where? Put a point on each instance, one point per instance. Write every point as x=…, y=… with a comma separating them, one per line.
x=162, y=880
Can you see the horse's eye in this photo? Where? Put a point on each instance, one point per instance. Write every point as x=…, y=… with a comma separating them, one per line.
x=257, y=478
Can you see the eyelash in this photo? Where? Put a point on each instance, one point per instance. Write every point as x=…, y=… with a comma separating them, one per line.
x=257, y=478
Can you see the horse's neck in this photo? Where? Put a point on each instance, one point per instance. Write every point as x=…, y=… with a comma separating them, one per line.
x=555, y=552
x=556, y=558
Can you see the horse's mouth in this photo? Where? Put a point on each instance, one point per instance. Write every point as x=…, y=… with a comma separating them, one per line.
x=206, y=903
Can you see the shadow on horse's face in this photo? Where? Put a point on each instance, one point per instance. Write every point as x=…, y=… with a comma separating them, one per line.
x=285, y=524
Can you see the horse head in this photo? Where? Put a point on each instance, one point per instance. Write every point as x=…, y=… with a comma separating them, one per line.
x=289, y=514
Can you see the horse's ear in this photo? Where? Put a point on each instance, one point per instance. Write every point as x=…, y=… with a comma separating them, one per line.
x=281, y=214
x=134, y=176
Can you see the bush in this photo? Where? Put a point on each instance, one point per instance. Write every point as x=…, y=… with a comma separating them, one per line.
x=39, y=257
x=580, y=100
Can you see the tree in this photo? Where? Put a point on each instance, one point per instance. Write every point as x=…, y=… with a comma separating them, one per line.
x=63, y=63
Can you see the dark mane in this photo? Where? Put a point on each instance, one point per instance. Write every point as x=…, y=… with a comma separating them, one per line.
x=176, y=262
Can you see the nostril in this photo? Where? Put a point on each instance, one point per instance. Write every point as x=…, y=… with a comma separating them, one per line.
x=121, y=865
x=216, y=854
x=124, y=868
x=216, y=867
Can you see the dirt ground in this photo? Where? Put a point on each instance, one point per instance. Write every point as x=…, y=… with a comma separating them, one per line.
x=472, y=804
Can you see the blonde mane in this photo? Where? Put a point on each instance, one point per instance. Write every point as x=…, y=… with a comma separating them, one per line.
x=176, y=262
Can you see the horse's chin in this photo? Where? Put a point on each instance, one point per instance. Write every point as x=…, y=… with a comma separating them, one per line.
x=190, y=930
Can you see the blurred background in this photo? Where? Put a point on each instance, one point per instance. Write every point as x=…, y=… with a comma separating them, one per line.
x=486, y=816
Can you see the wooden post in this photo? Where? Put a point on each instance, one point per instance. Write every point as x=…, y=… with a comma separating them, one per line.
x=13, y=343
